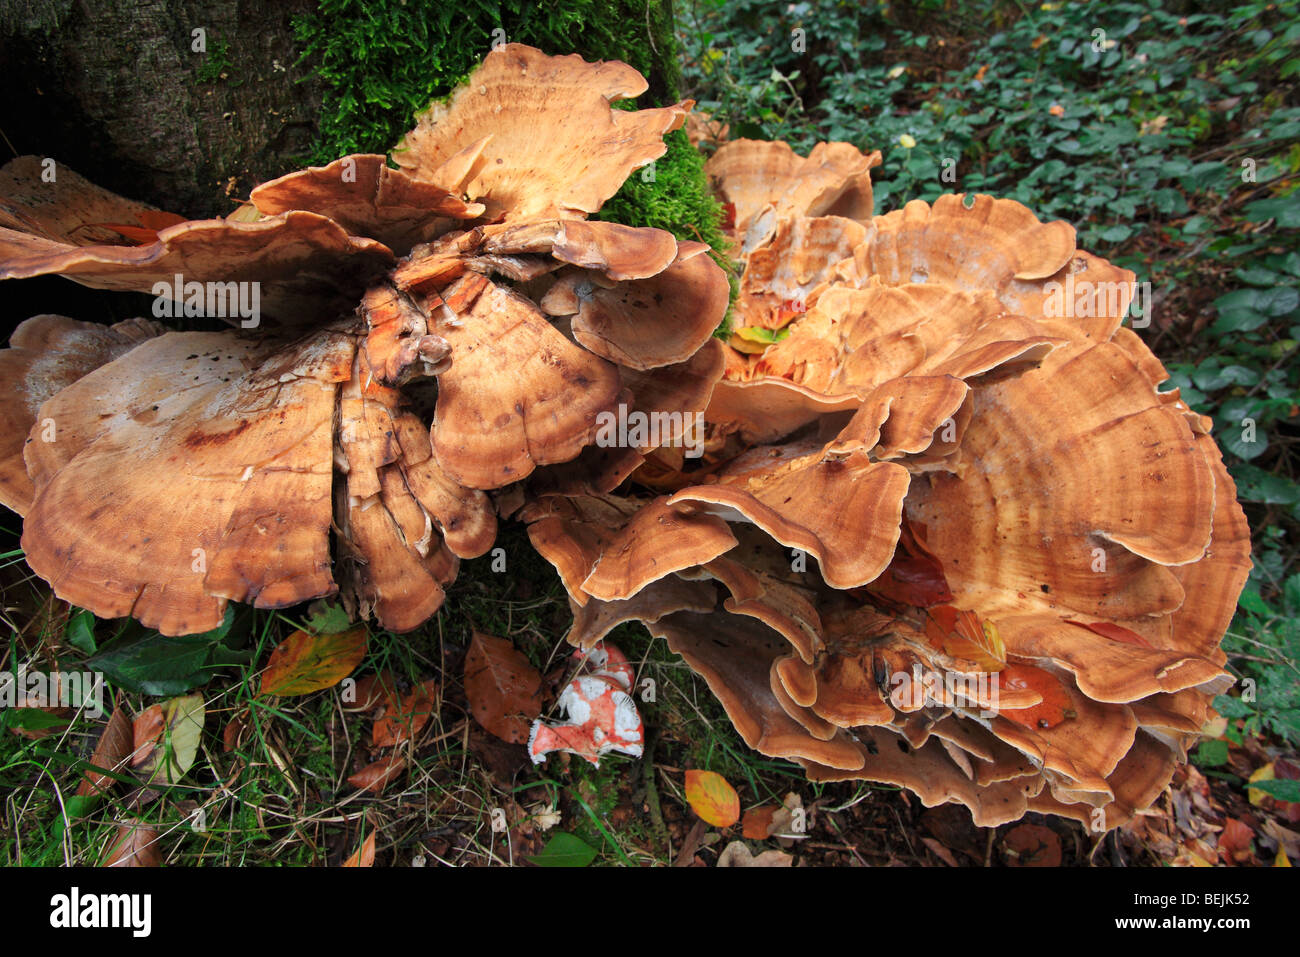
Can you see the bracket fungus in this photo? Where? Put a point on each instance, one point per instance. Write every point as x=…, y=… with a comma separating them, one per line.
x=1014, y=555
x=401, y=366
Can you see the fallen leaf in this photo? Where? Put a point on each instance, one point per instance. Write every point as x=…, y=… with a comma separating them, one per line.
x=365, y=855
x=1113, y=631
x=503, y=689
x=406, y=717
x=133, y=844
x=712, y=798
x=1051, y=711
x=961, y=634
x=1281, y=860
x=112, y=753
x=757, y=823
x=1266, y=773
x=914, y=575
x=564, y=850
x=167, y=742
x=304, y=663
x=375, y=777
x=35, y=714
x=370, y=691
x=736, y=854
x=1234, y=841
x=1032, y=845
x=233, y=731
x=145, y=732
x=940, y=851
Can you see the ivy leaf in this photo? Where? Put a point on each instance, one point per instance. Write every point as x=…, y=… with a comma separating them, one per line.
x=80, y=632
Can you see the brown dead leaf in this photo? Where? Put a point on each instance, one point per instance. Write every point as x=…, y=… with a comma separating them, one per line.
x=756, y=825
x=133, y=844
x=233, y=731
x=146, y=730
x=940, y=851
x=1234, y=841
x=112, y=753
x=370, y=692
x=365, y=855
x=1031, y=845
x=406, y=718
x=736, y=854
x=375, y=777
x=503, y=689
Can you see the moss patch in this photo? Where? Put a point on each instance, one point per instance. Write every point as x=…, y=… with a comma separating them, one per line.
x=382, y=62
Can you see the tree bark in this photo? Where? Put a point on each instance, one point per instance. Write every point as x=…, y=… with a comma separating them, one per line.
x=116, y=90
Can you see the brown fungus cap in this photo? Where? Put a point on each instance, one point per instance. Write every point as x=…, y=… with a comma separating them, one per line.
x=47, y=354
x=552, y=146
x=227, y=496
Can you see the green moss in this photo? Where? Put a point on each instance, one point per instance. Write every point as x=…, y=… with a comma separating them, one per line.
x=671, y=194
x=383, y=62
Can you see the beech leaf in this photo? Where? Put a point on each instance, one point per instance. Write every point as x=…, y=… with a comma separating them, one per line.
x=112, y=753
x=365, y=854
x=375, y=777
x=503, y=689
x=406, y=717
x=304, y=663
x=133, y=844
x=1051, y=711
x=712, y=798
x=167, y=740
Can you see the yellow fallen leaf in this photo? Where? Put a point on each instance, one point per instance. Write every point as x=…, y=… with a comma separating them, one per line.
x=1281, y=860
x=304, y=663
x=1265, y=773
x=712, y=798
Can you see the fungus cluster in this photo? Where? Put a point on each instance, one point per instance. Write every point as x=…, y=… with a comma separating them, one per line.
x=934, y=531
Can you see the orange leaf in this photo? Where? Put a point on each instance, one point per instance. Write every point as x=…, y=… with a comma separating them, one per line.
x=133, y=844
x=757, y=823
x=1051, y=711
x=1032, y=845
x=1114, y=632
x=712, y=798
x=112, y=753
x=972, y=639
x=503, y=689
x=375, y=777
x=370, y=692
x=305, y=663
x=365, y=855
x=406, y=718
x=146, y=731
x=1234, y=841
